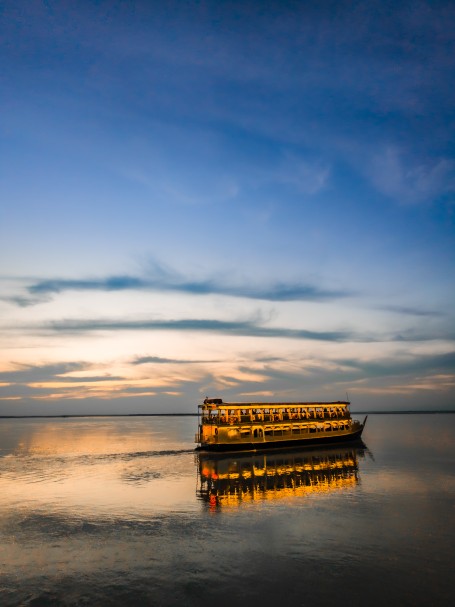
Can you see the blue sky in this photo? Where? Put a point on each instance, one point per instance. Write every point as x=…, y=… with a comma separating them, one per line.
x=245, y=199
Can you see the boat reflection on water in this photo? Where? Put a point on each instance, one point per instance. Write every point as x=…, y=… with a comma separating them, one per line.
x=230, y=480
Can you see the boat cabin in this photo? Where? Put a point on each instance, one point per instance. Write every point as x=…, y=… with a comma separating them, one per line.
x=225, y=425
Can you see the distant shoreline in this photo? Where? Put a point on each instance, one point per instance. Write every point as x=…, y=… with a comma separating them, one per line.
x=100, y=415
x=195, y=414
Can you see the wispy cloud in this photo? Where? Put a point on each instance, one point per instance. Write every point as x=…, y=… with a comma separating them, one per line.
x=144, y=360
x=25, y=302
x=76, y=380
x=408, y=180
x=392, y=375
x=307, y=177
x=58, y=372
x=163, y=279
x=30, y=373
x=276, y=377
x=238, y=328
x=428, y=383
x=410, y=311
x=111, y=283
x=244, y=328
x=402, y=366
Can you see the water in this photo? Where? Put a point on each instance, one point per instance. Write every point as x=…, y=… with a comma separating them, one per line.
x=110, y=511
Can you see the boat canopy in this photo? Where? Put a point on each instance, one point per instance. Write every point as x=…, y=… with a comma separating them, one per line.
x=215, y=403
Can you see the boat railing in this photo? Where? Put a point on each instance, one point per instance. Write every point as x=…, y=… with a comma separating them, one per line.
x=273, y=417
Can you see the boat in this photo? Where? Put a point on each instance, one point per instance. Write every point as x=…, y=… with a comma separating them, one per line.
x=245, y=426
x=231, y=479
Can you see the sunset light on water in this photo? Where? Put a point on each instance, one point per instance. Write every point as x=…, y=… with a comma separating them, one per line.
x=92, y=505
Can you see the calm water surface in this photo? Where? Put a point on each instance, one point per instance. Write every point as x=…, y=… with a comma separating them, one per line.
x=109, y=511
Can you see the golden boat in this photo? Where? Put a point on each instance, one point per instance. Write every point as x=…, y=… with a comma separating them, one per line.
x=228, y=479
x=244, y=426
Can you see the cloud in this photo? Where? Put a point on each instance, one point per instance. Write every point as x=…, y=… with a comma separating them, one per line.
x=35, y=373
x=333, y=377
x=63, y=381
x=307, y=177
x=112, y=283
x=161, y=278
x=143, y=360
x=428, y=383
x=57, y=372
x=241, y=328
x=354, y=370
x=238, y=328
x=408, y=180
x=409, y=311
x=25, y=302
x=279, y=378
x=164, y=279
x=399, y=366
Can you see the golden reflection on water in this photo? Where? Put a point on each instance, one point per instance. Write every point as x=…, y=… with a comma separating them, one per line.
x=96, y=467
x=230, y=480
x=142, y=467
x=56, y=438
x=94, y=436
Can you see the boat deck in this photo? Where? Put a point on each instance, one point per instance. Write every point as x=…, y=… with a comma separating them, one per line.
x=241, y=426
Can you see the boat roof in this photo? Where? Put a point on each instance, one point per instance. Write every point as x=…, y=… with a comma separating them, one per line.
x=214, y=403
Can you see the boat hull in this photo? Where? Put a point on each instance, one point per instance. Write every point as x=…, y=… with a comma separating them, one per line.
x=280, y=444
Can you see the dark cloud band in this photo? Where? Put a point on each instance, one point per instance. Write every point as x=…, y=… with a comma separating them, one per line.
x=237, y=328
x=168, y=282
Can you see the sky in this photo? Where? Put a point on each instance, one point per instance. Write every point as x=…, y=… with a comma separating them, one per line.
x=245, y=200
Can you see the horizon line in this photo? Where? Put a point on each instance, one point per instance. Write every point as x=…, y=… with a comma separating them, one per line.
x=397, y=412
